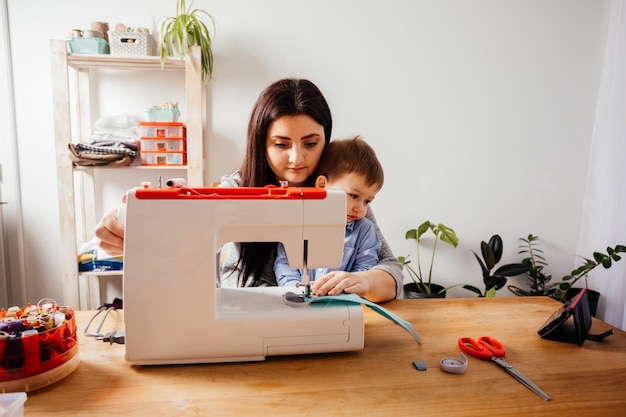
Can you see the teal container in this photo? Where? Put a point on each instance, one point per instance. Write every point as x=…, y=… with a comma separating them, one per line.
x=88, y=45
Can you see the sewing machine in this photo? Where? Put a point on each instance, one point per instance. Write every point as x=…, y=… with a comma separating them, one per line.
x=174, y=311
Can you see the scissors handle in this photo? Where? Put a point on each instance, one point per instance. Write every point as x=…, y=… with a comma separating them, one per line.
x=485, y=347
x=475, y=349
x=493, y=345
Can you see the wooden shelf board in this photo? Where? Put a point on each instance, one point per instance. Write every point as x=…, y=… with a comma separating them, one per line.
x=132, y=62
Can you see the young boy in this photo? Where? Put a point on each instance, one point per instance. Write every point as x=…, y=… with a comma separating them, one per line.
x=352, y=166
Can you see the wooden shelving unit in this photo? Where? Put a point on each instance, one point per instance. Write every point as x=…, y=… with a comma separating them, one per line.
x=81, y=194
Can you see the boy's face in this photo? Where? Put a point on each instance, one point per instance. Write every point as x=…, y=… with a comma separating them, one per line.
x=358, y=194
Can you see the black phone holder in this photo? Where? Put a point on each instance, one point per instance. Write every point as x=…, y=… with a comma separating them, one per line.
x=576, y=328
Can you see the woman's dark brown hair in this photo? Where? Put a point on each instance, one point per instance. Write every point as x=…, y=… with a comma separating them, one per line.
x=286, y=97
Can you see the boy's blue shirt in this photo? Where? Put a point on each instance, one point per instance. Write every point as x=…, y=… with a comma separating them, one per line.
x=360, y=253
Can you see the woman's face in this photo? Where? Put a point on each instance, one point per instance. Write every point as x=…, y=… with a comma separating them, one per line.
x=294, y=146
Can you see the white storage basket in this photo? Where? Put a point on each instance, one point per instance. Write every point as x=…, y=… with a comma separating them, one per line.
x=131, y=43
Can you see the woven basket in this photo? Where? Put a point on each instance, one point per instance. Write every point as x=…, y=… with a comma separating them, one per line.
x=131, y=43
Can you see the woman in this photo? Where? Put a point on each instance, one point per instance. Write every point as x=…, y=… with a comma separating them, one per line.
x=288, y=130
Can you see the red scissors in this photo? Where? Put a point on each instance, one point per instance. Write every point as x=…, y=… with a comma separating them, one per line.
x=487, y=348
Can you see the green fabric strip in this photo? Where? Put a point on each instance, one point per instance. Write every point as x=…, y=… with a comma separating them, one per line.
x=353, y=298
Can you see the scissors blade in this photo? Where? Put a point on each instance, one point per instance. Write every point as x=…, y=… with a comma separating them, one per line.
x=521, y=377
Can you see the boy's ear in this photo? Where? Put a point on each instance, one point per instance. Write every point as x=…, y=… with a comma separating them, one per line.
x=320, y=181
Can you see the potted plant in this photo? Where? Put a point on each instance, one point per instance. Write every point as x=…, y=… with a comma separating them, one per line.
x=494, y=280
x=422, y=286
x=540, y=283
x=186, y=29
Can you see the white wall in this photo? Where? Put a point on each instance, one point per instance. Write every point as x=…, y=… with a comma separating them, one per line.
x=480, y=111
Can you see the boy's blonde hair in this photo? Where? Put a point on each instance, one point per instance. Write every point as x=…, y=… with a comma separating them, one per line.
x=345, y=156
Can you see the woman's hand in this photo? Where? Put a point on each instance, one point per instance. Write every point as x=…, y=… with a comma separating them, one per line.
x=375, y=285
x=111, y=234
x=336, y=282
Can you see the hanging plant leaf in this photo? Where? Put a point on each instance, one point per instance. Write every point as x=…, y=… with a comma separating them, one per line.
x=186, y=29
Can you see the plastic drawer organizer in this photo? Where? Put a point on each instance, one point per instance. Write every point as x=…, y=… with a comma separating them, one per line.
x=38, y=346
x=163, y=143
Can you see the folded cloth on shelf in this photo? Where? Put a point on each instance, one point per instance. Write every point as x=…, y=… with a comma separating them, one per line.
x=127, y=124
x=110, y=140
x=110, y=147
x=80, y=155
x=115, y=142
x=92, y=258
x=101, y=265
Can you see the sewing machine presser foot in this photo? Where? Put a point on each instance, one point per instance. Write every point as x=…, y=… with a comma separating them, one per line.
x=298, y=300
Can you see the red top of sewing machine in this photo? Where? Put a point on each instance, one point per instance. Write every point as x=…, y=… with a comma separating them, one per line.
x=230, y=193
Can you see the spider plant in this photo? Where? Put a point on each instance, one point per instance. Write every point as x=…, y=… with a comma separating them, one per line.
x=185, y=29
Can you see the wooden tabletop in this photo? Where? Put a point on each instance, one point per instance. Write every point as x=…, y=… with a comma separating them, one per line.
x=380, y=380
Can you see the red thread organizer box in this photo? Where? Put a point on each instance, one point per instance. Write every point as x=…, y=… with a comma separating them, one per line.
x=38, y=346
x=163, y=143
